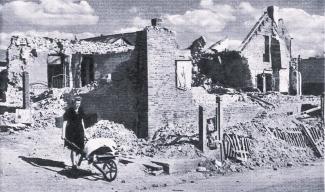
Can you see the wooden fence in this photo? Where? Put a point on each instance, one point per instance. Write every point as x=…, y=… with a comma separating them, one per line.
x=293, y=136
x=236, y=147
x=304, y=136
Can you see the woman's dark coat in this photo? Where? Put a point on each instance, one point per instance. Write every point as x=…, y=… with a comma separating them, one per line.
x=74, y=131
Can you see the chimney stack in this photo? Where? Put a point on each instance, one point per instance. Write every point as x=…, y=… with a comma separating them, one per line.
x=156, y=22
x=272, y=12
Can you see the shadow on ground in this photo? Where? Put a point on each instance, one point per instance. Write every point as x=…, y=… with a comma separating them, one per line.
x=52, y=165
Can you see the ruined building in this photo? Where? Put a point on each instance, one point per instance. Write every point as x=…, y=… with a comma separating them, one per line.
x=267, y=48
x=313, y=75
x=145, y=78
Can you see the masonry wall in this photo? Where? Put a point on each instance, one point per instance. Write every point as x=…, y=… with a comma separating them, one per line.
x=254, y=53
x=312, y=75
x=15, y=84
x=121, y=100
x=167, y=105
x=284, y=72
x=278, y=57
x=255, y=50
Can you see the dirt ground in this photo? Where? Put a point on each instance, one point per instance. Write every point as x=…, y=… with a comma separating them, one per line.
x=35, y=160
x=307, y=178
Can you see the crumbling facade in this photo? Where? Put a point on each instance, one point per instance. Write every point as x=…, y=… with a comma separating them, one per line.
x=268, y=50
x=55, y=63
x=144, y=78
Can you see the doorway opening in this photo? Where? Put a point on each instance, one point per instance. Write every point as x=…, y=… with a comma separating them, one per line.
x=264, y=82
x=87, y=70
x=56, y=71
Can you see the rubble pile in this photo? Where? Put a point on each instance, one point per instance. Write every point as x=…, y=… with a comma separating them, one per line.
x=8, y=124
x=277, y=99
x=265, y=149
x=172, y=141
x=169, y=135
x=124, y=138
x=51, y=104
x=174, y=151
x=166, y=143
x=28, y=43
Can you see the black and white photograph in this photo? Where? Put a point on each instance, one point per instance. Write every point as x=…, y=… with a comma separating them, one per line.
x=162, y=95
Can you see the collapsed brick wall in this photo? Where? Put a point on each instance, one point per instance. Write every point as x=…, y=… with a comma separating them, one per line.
x=312, y=75
x=20, y=58
x=167, y=105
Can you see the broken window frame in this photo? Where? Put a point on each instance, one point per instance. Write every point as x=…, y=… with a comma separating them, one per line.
x=178, y=84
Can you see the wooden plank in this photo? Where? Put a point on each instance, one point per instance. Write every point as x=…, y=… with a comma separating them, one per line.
x=295, y=135
x=307, y=111
x=300, y=141
x=261, y=100
x=293, y=139
x=153, y=166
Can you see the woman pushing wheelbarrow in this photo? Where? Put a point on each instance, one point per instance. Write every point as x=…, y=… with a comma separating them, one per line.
x=100, y=152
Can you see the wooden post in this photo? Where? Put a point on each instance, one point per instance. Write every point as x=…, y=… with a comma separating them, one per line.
x=26, y=94
x=202, y=130
x=219, y=125
x=70, y=77
x=264, y=83
x=299, y=92
x=322, y=105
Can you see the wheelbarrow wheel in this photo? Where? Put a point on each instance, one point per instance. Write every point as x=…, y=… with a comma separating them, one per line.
x=110, y=170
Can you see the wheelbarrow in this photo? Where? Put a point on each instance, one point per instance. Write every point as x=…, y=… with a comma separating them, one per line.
x=102, y=154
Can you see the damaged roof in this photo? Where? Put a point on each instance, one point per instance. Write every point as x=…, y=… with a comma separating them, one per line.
x=54, y=46
x=122, y=38
x=277, y=24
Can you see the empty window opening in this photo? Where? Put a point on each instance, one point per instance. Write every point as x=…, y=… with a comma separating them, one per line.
x=266, y=55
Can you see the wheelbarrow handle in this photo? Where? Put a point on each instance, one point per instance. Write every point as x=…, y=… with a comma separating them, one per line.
x=81, y=151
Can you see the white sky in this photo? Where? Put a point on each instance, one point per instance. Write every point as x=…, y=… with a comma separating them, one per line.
x=189, y=18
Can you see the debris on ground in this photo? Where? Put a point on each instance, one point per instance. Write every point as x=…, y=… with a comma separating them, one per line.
x=171, y=141
x=266, y=150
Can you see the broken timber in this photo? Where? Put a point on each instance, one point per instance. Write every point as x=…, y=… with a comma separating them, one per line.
x=310, y=138
x=308, y=111
x=260, y=100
